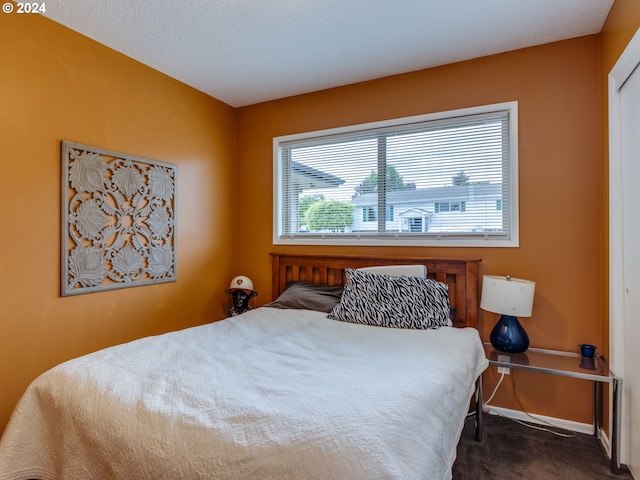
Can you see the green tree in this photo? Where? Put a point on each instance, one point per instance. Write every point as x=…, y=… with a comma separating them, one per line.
x=330, y=215
x=393, y=182
x=304, y=204
x=460, y=178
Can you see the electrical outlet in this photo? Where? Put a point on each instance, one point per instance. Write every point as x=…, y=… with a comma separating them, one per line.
x=504, y=358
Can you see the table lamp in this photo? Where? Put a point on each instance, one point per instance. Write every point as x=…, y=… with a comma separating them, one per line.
x=511, y=298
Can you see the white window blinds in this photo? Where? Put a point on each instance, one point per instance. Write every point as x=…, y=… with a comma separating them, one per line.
x=439, y=179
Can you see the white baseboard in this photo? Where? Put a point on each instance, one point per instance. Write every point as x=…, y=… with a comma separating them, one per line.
x=604, y=440
x=545, y=421
x=541, y=419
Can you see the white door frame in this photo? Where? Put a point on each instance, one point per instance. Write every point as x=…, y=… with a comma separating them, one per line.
x=621, y=71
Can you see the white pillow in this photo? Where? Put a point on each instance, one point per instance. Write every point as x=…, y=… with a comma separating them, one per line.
x=398, y=270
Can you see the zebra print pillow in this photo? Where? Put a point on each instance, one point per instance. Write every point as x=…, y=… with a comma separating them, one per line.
x=386, y=301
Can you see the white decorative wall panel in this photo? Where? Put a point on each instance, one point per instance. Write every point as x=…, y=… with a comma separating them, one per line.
x=118, y=220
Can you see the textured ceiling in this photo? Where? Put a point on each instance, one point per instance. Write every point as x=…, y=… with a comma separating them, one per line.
x=249, y=51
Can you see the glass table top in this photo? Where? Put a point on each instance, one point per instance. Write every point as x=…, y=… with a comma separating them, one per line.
x=551, y=361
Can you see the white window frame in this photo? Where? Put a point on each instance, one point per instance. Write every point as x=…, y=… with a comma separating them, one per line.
x=511, y=239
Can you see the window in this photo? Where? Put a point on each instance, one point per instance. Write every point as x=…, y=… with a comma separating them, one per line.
x=390, y=216
x=449, y=207
x=368, y=214
x=447, y=179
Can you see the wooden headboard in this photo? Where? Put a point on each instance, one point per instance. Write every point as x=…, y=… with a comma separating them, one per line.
x=460, y=274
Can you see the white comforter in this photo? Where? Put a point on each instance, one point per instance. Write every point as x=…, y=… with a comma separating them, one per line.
x=271, y=394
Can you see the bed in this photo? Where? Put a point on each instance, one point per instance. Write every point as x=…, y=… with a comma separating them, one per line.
x=279, y=392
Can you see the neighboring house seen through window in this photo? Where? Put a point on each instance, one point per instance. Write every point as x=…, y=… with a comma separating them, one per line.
x=447, y=179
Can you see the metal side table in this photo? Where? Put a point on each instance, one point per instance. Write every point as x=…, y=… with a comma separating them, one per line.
x=572, y=365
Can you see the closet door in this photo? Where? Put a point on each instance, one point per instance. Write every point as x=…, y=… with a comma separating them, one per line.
x=624, y=97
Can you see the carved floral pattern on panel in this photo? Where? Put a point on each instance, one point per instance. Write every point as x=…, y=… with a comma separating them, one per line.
x=118, y=220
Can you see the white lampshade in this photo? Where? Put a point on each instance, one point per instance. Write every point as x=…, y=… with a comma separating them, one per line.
x=507, y=296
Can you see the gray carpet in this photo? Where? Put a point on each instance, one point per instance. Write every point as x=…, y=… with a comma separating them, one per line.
x=513, y=452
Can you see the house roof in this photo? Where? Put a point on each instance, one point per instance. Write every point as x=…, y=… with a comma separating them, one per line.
x=415, y=212
x=245, y=52
x=435, y=194
x=305, y=177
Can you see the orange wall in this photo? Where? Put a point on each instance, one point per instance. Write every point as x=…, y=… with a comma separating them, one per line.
x=56, y=84
x=558, y=90
x=621, y=25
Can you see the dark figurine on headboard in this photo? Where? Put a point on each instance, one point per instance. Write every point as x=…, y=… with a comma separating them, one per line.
x=241, y=290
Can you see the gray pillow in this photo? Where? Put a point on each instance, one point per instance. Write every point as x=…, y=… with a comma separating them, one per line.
x=387, y=301
x=308, y=296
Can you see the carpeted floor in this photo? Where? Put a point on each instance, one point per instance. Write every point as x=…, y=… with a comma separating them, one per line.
x=511, y=451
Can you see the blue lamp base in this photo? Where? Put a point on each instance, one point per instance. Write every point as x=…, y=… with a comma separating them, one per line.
x=509, y=336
